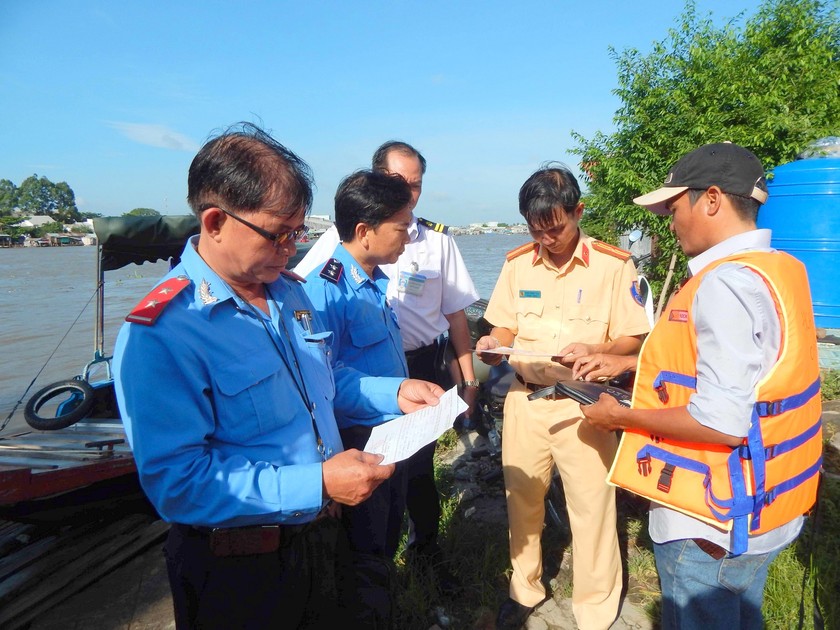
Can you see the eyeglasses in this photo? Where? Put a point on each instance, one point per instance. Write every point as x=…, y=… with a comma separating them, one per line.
x=277, y=239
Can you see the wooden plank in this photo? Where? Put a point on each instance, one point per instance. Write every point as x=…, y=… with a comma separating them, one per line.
x=81, y=571
x=74, y=547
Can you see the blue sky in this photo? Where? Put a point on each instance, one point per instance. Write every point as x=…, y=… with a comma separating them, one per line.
x=115, y=98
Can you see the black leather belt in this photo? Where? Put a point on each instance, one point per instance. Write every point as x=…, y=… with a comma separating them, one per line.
x=535, y=387
x=432, y=347
x=245, y=541
x=715, y=551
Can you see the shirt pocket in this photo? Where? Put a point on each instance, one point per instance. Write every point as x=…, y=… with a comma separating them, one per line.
x=432, y=292
x=365, y=336
x=253, y=396
x=318, y=347
x=530, y=323
x=588, y=323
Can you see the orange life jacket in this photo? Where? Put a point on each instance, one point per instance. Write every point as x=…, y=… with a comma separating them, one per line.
x=772, y=477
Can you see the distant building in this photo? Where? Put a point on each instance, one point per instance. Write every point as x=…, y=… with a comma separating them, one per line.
x=318, y=224
x=39, y=220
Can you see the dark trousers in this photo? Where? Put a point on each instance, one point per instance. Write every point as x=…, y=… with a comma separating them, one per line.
x=373, y=529
x=374, y=525
x=422, y=498
x=307, y=583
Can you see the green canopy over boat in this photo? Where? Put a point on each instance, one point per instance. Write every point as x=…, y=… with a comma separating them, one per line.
x=125, y=240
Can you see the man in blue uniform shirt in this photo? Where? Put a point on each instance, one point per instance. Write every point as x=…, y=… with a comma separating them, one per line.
x=224, y=382
x=429, y=289
x=372, y=214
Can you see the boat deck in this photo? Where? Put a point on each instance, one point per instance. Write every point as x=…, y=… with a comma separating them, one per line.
x=36, y=464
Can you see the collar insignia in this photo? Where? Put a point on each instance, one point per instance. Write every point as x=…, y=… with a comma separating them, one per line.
x=205, y=294
x=356, y=274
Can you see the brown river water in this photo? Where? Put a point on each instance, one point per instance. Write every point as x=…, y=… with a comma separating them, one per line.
x=43, y=291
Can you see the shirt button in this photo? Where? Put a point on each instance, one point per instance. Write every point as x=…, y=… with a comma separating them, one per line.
x=297, y=514
x=330, y=452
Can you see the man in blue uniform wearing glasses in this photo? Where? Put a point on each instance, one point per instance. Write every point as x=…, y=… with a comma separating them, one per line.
x=224, y=380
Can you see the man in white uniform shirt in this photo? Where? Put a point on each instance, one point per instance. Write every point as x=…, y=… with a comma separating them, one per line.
x=429, y=288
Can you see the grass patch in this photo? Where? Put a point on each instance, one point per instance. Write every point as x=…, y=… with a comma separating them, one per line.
x=830, y=385
x=479, y=559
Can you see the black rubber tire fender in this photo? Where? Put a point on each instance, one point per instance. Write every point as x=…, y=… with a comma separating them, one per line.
x=37, y=401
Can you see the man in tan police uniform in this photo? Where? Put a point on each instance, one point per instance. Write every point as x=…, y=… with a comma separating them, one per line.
x=567, y=295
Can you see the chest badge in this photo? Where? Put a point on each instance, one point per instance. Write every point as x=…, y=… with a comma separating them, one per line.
x=678, y=316
x=530, y=294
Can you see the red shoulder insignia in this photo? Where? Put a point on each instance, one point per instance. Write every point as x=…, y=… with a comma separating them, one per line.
x=612, y=250
x=293, y=276
x=522, y=249
x=151, y=306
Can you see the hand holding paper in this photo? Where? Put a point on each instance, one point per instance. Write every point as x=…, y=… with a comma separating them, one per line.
x=402, y=437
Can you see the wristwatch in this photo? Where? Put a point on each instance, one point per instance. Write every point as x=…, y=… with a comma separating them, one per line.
x=470, y=383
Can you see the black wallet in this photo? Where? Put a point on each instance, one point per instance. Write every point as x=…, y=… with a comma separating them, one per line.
x=587, y=392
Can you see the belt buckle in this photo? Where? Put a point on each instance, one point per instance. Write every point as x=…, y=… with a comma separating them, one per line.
x=245, y=541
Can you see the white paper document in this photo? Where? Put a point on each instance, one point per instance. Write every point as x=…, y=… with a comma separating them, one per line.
x=554, y=370
x=402, y=437
x=507, y=350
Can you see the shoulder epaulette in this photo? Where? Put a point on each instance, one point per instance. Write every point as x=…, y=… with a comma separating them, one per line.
x=292, y=275
x=435, y=227
x=522, y=249
x=332, y=270
x=612, y=250
x=150, y=307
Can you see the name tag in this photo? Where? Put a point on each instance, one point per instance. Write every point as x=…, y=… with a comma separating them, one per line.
x=411, y=283
x=530, y=294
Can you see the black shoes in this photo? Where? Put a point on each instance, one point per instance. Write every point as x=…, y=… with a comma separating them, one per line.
x=512, y=615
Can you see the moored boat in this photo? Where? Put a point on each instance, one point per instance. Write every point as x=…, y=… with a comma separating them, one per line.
x=75, y=461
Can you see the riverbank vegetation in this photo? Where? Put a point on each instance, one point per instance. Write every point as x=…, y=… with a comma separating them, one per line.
x=767, y=82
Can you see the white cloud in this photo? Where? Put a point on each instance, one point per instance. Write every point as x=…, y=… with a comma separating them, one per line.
x=155, y=136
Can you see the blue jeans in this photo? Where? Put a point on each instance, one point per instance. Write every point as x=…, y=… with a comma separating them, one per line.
x=701, y=593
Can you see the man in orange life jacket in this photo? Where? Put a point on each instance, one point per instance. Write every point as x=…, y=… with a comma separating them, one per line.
x=728, y=473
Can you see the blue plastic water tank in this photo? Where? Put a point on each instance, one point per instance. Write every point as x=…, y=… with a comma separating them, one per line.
x=804, y=213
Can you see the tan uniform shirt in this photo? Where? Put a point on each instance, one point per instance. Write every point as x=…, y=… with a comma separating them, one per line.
x=589, y=300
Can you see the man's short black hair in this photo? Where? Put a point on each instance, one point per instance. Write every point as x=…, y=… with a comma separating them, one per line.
x=244, y=169
x=369, y=197
x=745, y=207
x=550, y=188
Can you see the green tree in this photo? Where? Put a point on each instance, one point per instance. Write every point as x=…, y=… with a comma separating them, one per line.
x=7, y=226
x=770, y=85
x=8, y=197
x=142, y=212
x=40, y=196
